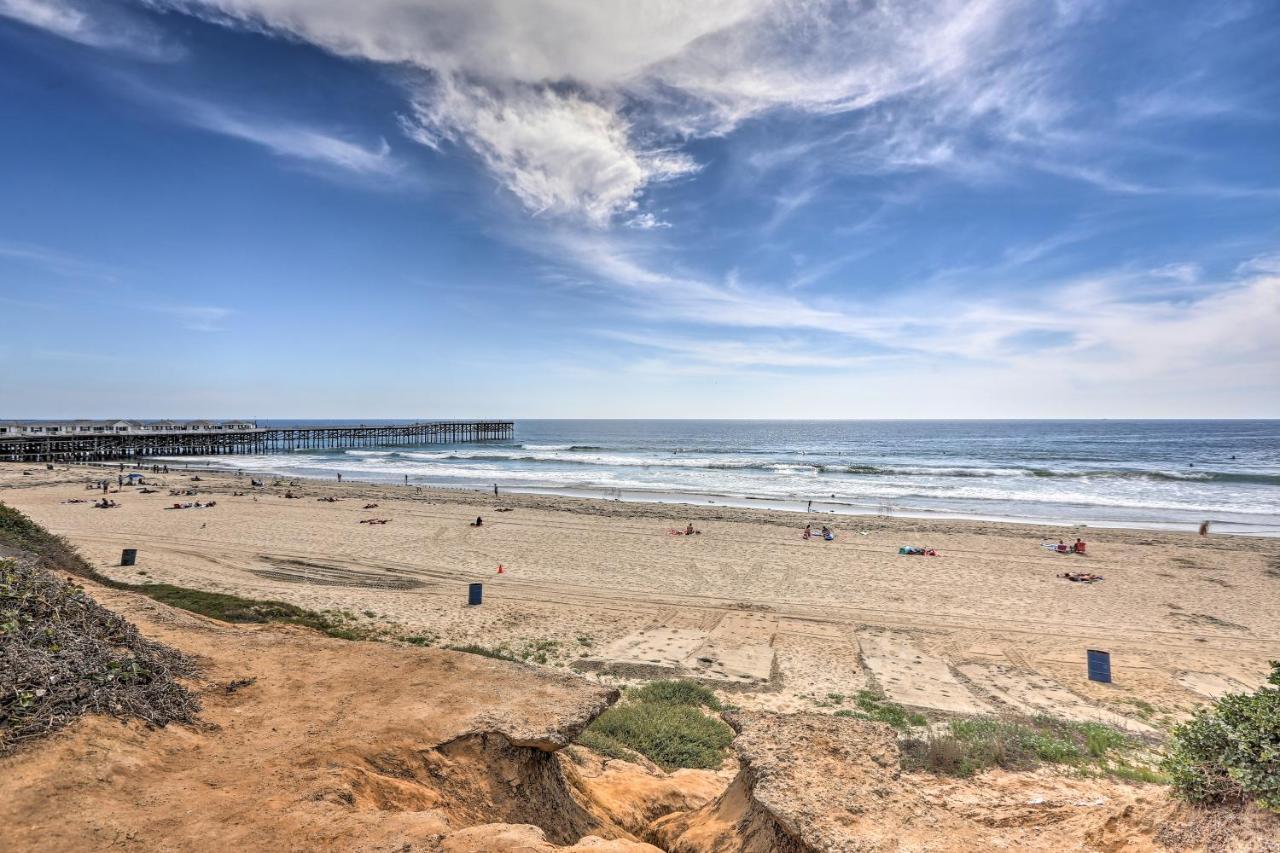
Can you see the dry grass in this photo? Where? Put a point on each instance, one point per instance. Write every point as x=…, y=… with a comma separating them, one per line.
x=63, y=655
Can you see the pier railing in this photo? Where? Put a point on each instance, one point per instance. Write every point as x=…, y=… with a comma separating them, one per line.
x=96, y=447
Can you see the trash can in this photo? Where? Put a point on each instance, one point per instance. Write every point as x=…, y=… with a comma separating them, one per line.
x=129, y=556
x=1099, y=666
x=475, y=594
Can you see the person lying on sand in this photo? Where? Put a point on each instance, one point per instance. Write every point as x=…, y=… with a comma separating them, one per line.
x=912, y=551
x=374, y=520
x=1081, y=577
x=370, y=506
x=292, y=496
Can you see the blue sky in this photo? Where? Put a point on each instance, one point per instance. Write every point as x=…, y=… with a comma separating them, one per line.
x=733, y=208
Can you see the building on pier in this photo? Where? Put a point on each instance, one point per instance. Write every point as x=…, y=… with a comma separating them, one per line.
x=116, y=427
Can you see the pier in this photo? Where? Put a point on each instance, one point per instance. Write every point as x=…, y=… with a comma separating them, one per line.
x=92, y=447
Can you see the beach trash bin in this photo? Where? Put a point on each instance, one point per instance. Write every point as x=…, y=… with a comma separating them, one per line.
x=1099, y=666
x=475, y=594
x=129, y=556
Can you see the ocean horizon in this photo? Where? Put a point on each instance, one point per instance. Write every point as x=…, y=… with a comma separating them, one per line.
x=1157, y=474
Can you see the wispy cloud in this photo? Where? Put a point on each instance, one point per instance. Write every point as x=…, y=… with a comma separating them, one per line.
x=290, y=140
x=1145, y=322
x=196, y=318
x=580, y=109
x=55, y=261
x=95, y=25
x=733, y=354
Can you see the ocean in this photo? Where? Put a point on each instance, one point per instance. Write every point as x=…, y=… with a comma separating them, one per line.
x=1150, y=474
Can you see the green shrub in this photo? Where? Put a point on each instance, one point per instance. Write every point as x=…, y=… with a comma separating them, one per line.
x=234, y=608
x=974, y=744
x=606, y=746
x=1230, y=751
x=419, y=640
x=677, y=692
x=671, y=736
x=876, y=707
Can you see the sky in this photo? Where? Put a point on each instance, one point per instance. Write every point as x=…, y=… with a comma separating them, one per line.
x=639, y=208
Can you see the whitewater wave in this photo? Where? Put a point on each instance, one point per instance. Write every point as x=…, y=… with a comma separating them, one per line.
x=587, y=455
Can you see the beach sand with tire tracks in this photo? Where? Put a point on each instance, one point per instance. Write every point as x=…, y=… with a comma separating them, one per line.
x=606, y=588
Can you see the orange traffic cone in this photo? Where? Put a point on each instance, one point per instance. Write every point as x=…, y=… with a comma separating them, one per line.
x=501, y=570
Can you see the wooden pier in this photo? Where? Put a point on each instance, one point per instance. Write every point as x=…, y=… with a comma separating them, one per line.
x=98, y=446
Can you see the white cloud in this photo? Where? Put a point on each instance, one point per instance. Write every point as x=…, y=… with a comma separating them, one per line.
x=558, y=152
x=54, y=261
x=72, y=20
x=577, y=107
x=1128, y=325
x=299, y=142
x=730, y=354
x=646, y=221
x=197, y=318
x=281, y=137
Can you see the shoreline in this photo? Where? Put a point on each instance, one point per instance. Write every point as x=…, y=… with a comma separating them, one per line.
x=692, y=502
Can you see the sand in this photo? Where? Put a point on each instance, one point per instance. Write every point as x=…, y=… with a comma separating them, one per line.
x=604, y=588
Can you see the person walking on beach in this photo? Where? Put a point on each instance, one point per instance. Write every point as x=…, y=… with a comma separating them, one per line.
x=339, y=478
x=495, y=490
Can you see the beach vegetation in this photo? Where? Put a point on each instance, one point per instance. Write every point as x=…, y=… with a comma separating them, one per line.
x=538, y=651
x=972, y=744
x=17, y=530
x=608, y=747
x=671, y=723
x=428, y=639
x=681, y=691
x=875, y=707
x=238, y=609
x=499, y=653
x=63, y=655
x=1229, y=752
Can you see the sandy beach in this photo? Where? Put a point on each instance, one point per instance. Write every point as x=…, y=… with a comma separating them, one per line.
x=605, y=588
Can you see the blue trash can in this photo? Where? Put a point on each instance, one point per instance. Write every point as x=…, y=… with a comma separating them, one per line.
x=1099, y=666
x=475, y=594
